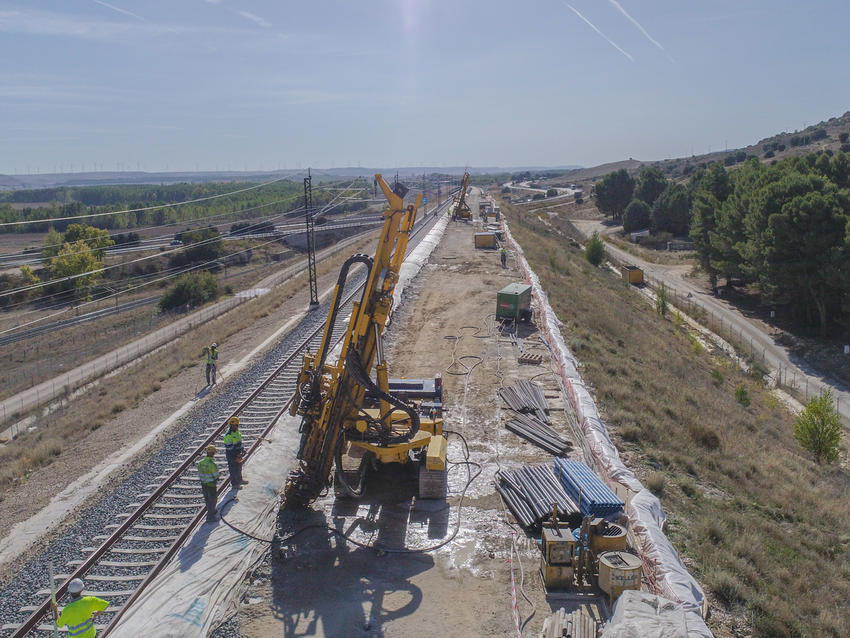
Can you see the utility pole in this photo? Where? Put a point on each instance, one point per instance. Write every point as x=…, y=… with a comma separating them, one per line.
x=311, y=240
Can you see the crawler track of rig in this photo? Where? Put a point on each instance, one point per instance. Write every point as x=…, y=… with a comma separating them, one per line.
x=130, y=552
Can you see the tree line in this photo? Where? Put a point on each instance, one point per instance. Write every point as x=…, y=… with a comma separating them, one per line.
x=89, y=200
x=649, y=202
x=782, y=228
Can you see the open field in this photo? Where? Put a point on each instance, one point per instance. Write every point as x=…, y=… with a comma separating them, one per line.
x=760, y=525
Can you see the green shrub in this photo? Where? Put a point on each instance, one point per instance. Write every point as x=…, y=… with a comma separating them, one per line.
x=818, y=428
x=717, y=376
x=191, y=289
x=742, y=396
x=594, y=250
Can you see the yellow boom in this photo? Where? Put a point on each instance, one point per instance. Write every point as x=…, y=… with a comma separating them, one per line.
x=331, y=394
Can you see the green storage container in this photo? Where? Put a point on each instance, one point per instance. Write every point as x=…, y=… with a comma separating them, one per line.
x=514, y=302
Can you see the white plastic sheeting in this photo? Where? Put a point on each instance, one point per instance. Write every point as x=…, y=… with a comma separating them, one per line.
x=199, y=589
x=416, y=259
x=662, y=565
x=641, y=615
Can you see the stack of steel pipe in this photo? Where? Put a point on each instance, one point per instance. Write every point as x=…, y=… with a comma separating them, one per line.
x=530, y=493
x=536, y=431
x=586, y=489
x=526, y=397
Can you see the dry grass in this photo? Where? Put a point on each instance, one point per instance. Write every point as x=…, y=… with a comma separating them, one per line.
x=114, y=394
x=32, y=361
x=652, y=256
x=764, y=528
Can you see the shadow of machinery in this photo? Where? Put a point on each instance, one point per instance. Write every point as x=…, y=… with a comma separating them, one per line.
x=321, y=583
x=520, y=329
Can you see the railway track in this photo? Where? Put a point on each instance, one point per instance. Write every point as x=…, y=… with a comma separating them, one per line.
x=133, y=550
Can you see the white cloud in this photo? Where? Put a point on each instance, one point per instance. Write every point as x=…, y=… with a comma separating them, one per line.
x=49, y=23
x=258, y=20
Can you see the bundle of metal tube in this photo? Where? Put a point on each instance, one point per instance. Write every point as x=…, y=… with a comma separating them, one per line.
x=531, y=492
x=536, y=431
x=586, y=489
x=526, y=397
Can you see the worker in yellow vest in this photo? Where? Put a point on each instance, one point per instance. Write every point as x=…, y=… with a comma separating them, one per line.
x=211, y=354
x=233, y=452
x=208, y=475
x=79, y=614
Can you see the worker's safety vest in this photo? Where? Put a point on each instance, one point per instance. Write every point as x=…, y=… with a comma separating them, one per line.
x=207, y=471
x=77, y=615
x=233, y=440
x=212, y=356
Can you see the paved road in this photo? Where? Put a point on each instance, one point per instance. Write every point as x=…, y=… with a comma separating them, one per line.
x=777, y=358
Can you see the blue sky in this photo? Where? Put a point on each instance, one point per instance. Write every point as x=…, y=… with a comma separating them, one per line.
x=262, y=84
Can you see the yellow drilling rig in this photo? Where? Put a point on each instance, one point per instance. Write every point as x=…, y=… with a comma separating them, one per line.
x=460, y=209
x=350, y=420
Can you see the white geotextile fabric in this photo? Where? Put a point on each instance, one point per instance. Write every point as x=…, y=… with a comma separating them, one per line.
x=416, y=259
x=643, y=615
x=661, y=562
x=199, y=589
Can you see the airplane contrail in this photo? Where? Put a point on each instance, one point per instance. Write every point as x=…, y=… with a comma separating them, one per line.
x=595, y=28
x=639, y=26
x=120, y=10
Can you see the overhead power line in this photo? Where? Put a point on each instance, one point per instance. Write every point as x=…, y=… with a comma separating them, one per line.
x=146, y=208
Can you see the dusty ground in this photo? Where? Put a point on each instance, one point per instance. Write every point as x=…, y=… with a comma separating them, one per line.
x=327, y=588
x=133, y=423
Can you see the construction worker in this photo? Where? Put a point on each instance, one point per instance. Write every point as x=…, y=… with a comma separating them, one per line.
x=79, y=614
x=208, y=475
x=211, y=355
x=233, y=451
x=504, y=256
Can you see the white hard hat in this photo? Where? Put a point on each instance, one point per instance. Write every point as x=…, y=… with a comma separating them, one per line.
x=215, y=345
x=75, y=586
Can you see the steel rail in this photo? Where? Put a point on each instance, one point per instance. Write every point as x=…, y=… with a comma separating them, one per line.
x=41, y=611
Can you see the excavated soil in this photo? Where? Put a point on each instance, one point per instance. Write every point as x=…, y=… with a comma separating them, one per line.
x=323, y=586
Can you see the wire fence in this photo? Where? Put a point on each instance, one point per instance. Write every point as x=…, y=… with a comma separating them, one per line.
x=787, y=377
x=64, y=385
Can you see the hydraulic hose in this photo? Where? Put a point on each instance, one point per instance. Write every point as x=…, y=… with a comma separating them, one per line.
x=357, y=370
x=340, y=283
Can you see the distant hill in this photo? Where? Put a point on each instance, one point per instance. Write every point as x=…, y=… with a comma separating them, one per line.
x=50, y=180
x=824, y=136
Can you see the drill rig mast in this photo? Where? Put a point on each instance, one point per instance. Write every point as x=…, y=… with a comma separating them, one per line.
x=461, y=208
x=332, y=395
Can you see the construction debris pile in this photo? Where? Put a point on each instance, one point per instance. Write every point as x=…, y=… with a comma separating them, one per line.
x=531, y=421
x=531, y=492
x=586, y=489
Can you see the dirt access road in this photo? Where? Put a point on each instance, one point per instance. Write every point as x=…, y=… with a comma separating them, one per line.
x=325, y=587
x=777, y=358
